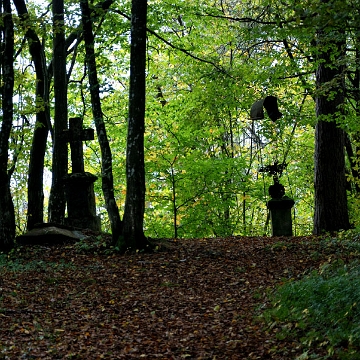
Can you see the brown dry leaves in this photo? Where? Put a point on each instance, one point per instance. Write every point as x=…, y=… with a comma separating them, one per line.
x=194, y=299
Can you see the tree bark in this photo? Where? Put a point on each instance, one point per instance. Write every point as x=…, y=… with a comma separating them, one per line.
x=331, y=213
x=106, y=156
x=35, y=212
x=133, y=234
x=57, y=200
x=330, y=182
x=7, y=215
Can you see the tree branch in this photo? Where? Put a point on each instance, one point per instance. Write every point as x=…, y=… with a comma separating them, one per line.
x=186, y=52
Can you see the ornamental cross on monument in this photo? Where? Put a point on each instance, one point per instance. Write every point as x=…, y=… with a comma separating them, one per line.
x=79, y=185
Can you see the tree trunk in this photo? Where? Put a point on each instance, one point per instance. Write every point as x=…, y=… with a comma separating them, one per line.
x=57, y=201
x=7, y=215
x=330, y=182
x=36, y=171
x=39, y=142
x=38, y=147
x=133, y=233
x=106, y=156
x=331, y=213
x=354, y=156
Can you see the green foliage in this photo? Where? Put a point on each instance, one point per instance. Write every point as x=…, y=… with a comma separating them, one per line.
x=207, y=64
x=13, y=263
x=92, y=244
x=322, y=309
x=203, y=156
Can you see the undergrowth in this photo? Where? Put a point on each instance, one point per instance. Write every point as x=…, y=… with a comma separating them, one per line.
x=15, y=262
x=322, y=310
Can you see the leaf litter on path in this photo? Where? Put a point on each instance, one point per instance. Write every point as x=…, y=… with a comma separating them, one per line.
x=193, y=299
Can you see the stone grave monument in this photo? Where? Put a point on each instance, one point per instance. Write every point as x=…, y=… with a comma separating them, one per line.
x=80, y=197
x=79, y=185
x=279, y=205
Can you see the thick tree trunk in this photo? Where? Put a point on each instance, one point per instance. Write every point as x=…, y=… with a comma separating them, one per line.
x=331, y=213
x=106, y=156
x=7, y=215
x=133, y=234
x=330, y=182
x=57, y=200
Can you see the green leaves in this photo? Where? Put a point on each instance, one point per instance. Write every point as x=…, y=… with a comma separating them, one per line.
x=322, y=308
x=207, y=66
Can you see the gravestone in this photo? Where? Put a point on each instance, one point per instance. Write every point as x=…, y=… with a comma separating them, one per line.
x=280, y=210
x=79, y=185
x=279, y=204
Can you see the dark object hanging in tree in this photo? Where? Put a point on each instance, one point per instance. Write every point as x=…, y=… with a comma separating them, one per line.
x=271, y=106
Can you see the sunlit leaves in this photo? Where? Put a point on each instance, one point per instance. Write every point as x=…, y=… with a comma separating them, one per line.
x=209, y=63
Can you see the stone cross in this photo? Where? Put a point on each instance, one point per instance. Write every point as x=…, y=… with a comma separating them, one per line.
x=79, y=185
x=75, y=136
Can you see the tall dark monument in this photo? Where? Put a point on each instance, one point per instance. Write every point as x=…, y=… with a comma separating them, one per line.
x=279, y=205
x=79, y=185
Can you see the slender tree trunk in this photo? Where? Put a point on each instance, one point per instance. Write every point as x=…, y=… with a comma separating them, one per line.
x=353, y=163
x=36, y=171
x=38, y=147
x=39, y=142
x=331, y=213
x=133, y=233
x=7, y=215
x=354, y=156
x=57, y=201
x=174, y=200
x=106, y=156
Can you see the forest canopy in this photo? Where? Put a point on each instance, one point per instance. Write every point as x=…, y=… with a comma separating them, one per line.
x=205, y=64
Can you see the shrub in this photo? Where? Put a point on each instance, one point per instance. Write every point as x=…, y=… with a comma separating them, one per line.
x=322, y=310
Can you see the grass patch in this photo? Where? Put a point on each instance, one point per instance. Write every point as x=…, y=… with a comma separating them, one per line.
x=322, y=310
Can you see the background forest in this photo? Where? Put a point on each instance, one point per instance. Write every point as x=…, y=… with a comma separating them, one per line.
x=207, y=62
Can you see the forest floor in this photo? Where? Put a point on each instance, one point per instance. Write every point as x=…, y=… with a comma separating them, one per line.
x=192, y=299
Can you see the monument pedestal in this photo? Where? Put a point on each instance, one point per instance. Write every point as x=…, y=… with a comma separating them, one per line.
x=280, y=212
x=80, y=197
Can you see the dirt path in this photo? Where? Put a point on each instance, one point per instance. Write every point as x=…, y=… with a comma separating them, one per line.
x=193, y=299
